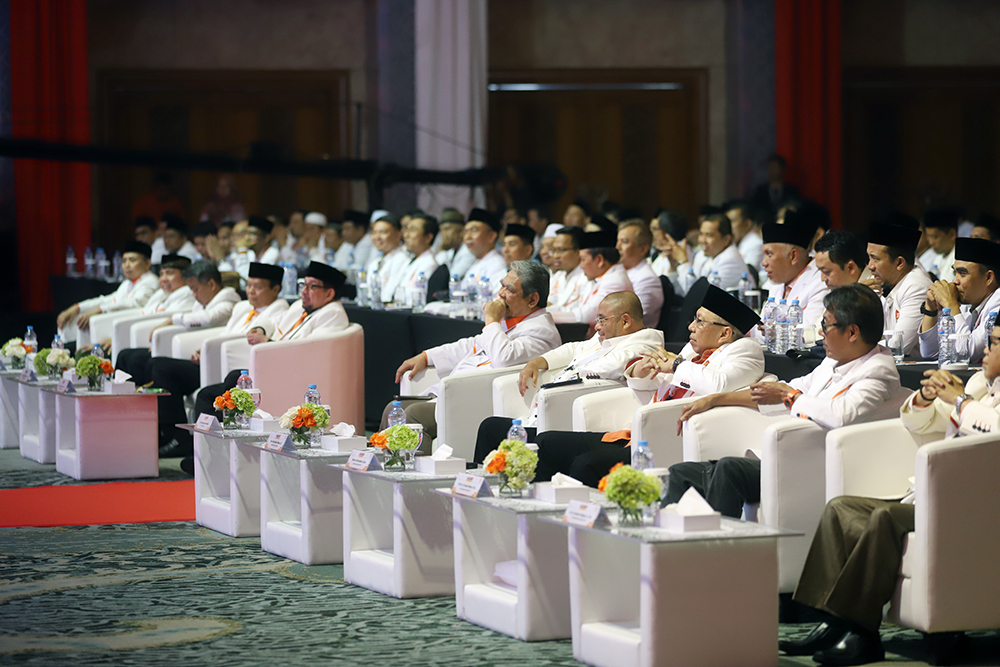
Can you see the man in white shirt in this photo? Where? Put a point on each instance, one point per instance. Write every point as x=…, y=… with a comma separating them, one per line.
x=599, y=261
x=568, y=279
x=255, y=246
x=309, y=242
x=518, y=243
x=941, y=227
x=892, y=261
x=517, y=329
x=418, y=237
x=746, y=232
x=719, y=357
x=453, y=253
x=634, y=242
x=181, y=377
x=480, y=237
x=851, y=385
x=717, y=255
x=987, y=227
x=621, y=339
x=790, y=269
x=972, y=296
x=389, y=258
x=667, y=227
x=841, y=258
x=175, y=239
x=145, y=230
x=134, y=291
x=357, y=244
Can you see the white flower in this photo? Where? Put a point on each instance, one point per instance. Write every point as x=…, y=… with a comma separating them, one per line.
x=60, y=359
x=14, y=348
x=285, y=420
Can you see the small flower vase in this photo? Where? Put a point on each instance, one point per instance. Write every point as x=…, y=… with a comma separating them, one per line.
x=316, y=438
x=17, y=363
x=229, y=419
x=506, y=490
x=95, y=382
x=395, y=461
x=55, y=372
x=242, y=421
x=302, y=437
x=409, y=458
x=629, y=517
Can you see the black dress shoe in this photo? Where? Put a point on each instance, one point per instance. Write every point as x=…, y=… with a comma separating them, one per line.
x=854, y=648
x=187, y=465
x=175, y=450
x=823, y=636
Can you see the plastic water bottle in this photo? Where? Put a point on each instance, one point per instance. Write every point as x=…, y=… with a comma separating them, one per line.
x=88, y=263
x=98, y=351
x=101, y=261
x=375, y=291
x=946, y=344
x=471, y=296
x=742, y=287
x=244, y=382
x=352, y=269
x=642, y=458
x=456, y=295
x=116, y=267
x=689, y=280
x=312, y=395
x=289, y=282
x=30, y=340
x=57, y=343
x=330, y=254
x=485, y=294
x=418, y=293
x=70, y=262
x=781, y=327
x=795, y=341
x=364, y=298
x=517, y=432
x=715, y=279
x=302, y=259
x=769, y=315
x=397, y=415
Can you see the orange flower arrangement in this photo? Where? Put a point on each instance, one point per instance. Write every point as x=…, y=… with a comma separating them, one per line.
x=304, y=418
x=107, y=368
x=498, y=463
x=378, y=439
x=225, y=402
x=604, y=480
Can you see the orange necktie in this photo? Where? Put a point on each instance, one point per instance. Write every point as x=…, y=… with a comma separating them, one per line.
x=294, y=326
x=252, y=314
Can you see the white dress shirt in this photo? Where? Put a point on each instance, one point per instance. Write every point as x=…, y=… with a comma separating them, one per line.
x=661, y=265
x=236, y=352
x=189, y=250
x=344, y=258
x=492, y=267
x=615, y=279
x=458, y=260
x=178, y=301
x=979, y=415
x=566, y=289
x=159, y=250
x=969, y=319
x=215, y=314
x=646, y=285
x=808, y=287
x=296, y=324
x=751, y=248
x=363, y=250
x=425, y=264
x=391, y=270
x=130, y=294
x=729, y=263
x=927, y=259
x=901, y=308
x=944, y=265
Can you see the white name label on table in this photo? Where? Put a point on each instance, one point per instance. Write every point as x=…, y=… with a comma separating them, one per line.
x=472, y=486
x=209, y=424
x=278, y=441
x=65, y=386
x=589, y=515
x=28, y=375
x=361, y=459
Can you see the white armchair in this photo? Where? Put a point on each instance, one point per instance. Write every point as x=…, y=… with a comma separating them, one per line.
x=121, y=332
x=334, y=362
x=102, y=326
x=555, y=405
x=213, y=357
x=163, y=340
x=139, y=332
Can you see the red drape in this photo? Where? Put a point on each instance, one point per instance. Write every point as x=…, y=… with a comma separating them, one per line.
x=50, y=99
x=807, y=98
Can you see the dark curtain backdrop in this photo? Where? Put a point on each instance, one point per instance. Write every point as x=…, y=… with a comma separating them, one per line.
x=50, y=100
x=808, y=111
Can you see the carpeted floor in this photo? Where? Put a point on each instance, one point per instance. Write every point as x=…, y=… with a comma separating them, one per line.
x=175, y=593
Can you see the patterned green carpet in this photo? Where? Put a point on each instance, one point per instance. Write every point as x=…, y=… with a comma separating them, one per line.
x=175, y=593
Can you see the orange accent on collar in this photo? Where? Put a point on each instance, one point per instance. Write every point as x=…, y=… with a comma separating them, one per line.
x=512, y=322
x=703, y=357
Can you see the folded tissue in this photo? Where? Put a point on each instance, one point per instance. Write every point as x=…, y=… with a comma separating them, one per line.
x=691, y=513
x=341, y=438
x=440, y=462
x=561, y=489
x=263, y=421
x=120, y=384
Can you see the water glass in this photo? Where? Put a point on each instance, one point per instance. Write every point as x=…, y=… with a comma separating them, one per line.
x=894, y=341
x=963, y=348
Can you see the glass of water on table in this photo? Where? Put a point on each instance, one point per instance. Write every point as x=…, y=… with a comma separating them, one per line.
x=894, y=341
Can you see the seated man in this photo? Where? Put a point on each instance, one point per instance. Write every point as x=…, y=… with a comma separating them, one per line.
x=941, y=228
x=718, y=254
x=182, y=376
x=790, y=269
x=480, y=237
x=718, y=357
x=175, y=239
x=634, y=242
x=419, y=237
x=841, y=259
x=254, y=246
x=518, y=243
x=453, y=252
x=390, y=257
x=972, y=296
x=852, y=568
x=621, y=339
x=599, y=261
x=851, y=385
x=892, y=261
x=134, y=291
x=568, y=278
x=518, y=328
x=213, y=308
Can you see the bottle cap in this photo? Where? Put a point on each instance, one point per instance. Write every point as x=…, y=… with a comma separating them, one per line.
x=770, y=298
x=516, y=422
x=643, y=443
x=244, y=372
x=784, y=301
x=795, y=302
x=312, y=386
x=744, y=274
x=31, y=328
x=946, y=311
x=397, y=404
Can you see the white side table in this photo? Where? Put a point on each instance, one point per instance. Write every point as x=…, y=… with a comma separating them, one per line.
x=10, y=435
x=302, y=504
x=647, y=596
x=37, y=420
x=106, y=436
x=493, y=530
x=227, y=481
x=397, y=534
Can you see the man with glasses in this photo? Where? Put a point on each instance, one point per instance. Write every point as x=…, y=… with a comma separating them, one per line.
x=621, y=339
x=569, y=279
x=718, y=357
x=852, y=385
x=518, y=328
x=852, y=569
x=605, y=275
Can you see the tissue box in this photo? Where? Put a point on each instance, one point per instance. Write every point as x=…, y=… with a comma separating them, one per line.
x=127, y=387
x=560, y=495
x=263, y=425
x=335, y=443
x=431, y=466
x=682, y=523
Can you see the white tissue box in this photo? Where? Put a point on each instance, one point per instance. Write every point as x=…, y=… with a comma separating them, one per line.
x=432, y=466
x=336, y=443
x=682, y=523
x=127, y=387
x=560, y=495
x=263, y=425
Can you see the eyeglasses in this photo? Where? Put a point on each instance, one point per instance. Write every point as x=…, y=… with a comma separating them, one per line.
x=510, y=289
x=824, y=326
x=601, y=320
x=992, y=341
x=306, y=286
x=701, y=324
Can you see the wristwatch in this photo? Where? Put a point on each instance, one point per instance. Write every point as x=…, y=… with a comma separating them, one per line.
x=790, y=397
x=928, y=313
x=961, y=401
x=677, y=362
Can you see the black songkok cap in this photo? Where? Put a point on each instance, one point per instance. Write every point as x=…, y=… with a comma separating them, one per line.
x=980, y=251
x=391, y=218
x=902, y=219
x=139, y=248
x=261, y=223
x=174, y=222
x=793, y=234
x=941, y=218
x=526, y=233
x=582, y=205
x=204, y=229
x=269, y=272
x=605, y=224
x=485, y=217
x=145, y=221
x=894, y=236
x=174, y=261
x=708, y=209
x=329, y=275
x=359, y=218
x=729, y=308
x=990, y=222
x=601, y=239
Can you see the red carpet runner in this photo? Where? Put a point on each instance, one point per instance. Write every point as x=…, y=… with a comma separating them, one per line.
x=92, y=504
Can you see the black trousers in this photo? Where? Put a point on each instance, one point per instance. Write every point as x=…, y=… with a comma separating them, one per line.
x=582, y=456
x=135, y=362
x=726, y=484
x=493, y=431
x=180, y=377
x=204, y=402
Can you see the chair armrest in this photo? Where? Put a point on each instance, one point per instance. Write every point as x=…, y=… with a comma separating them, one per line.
x=709, y=436
x=874, y=459
x=555, y=405
x=102, y=325
x=419, y=382
x=211, y=357
x=163, y=339
x=121, y=332
x=139, y=332
x=464, y=401
x=187, y=343
x=507, y=399
x=605, y=411
x=656, y=423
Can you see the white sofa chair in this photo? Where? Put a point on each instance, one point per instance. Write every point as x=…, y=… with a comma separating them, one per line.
x=464, y=401
x=102, y=326
x=121, y=331
x=334, y=362
x=209, y=343
x=555, y=405
x=948, y=579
